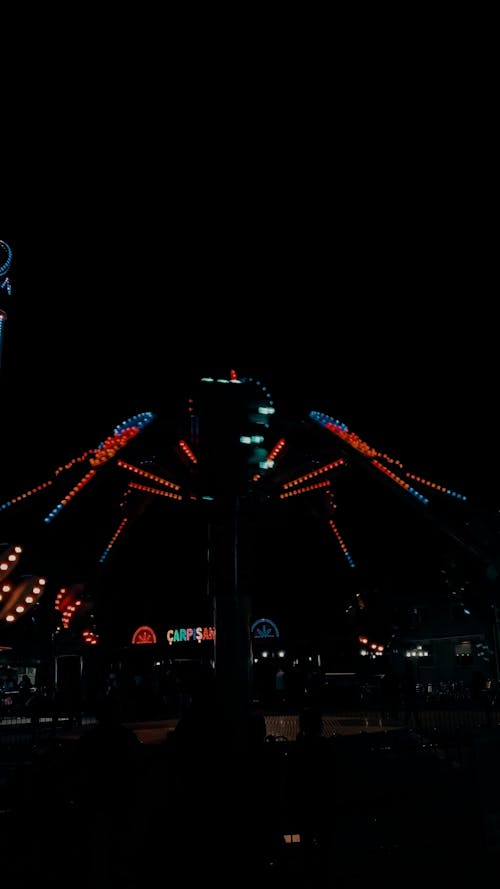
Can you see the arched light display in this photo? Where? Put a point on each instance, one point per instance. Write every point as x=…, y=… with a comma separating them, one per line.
x=144, y=636
x=264, y=628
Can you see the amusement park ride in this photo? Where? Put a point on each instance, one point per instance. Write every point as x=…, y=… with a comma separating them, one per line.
x=227, y=461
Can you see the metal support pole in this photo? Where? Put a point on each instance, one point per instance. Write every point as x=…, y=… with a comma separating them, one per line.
x=232, y=625
x=232, y=650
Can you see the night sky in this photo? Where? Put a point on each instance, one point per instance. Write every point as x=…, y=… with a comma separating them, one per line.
x=381, y=319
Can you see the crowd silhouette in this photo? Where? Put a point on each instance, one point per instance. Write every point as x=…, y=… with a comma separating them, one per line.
x=111, y=811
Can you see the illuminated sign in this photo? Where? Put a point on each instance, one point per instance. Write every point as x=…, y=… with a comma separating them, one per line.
x=191, y=634
x=144, y=636
x=265, y=629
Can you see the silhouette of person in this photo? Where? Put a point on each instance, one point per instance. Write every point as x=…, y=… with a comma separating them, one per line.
x=310, y=780
x=280, y=687
x=409, y=692
x=310, y=725
x=390, y=697
x=109, y=768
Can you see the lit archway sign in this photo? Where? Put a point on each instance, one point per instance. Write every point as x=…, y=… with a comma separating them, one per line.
x=264, y=629
x=144, y=636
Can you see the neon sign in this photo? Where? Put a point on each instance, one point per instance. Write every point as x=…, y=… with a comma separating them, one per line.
x=144, y=636
x=264, y=629
x=191, y=634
